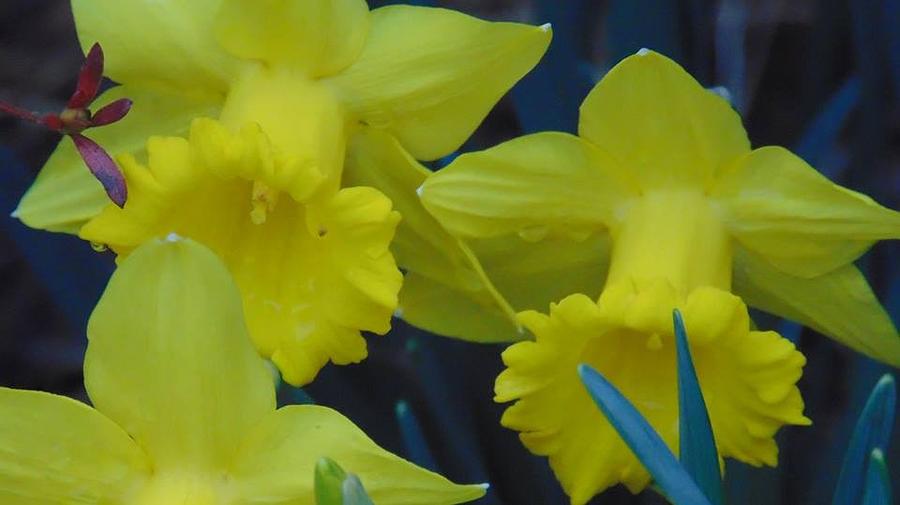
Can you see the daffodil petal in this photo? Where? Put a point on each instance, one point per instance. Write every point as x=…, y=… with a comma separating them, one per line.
x=277, y=461
x=312, y=274
x=452, y=311
x=748, y=380
x=533, y=185
x=169, y=358
x=59, y=451
x=660, y=124
x=429, y=76
x=786, y=212
x=320, y=37
x=66, y=195
x=441, y=269
x=839, y=304
x=160, y=44
x=531, y=275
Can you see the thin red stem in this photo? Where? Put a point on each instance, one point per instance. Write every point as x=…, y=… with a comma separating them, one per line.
x=19, y=112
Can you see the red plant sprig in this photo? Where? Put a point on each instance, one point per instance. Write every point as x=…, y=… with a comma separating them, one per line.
x=77, y=117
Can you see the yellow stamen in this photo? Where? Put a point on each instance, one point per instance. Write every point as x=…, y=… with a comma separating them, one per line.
x=263, y=200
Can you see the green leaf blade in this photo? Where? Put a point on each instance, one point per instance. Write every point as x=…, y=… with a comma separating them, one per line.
x=698, y=454
x=646, y=444
x=872, y=431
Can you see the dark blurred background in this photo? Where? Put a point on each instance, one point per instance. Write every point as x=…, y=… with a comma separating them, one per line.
x=819, y=76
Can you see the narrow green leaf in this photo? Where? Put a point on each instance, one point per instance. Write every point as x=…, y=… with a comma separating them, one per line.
x=417, y=449
x=646, y=444
x=878, y=481
x=329, y=479
x=698, y=447
x=872, y=431
x=354, y=493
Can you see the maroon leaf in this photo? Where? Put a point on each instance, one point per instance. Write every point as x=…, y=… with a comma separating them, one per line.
x=88, y=80
x=103, y=168
x=112, y=112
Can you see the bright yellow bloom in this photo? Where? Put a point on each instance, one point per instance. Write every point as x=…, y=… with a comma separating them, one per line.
x=185, y=409
x=293, y=87
x=664, y=169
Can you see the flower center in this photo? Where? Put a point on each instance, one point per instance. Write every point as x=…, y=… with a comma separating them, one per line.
x=672, y=235
x=302, y=119
x=176, y=487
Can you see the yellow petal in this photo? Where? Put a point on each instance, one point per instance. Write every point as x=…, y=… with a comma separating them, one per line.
x=159, y=44
x=748, y=379
x=660, y=124
x=312, y=275
x=441, y=269
x=786, y=212
x=429, y=76
x=452, y=311
x=320, y=37
x=66, y=195
x=531, y=275
x=277, y=460
x=839, y=304
x=59, y=451
x=530, y=185
x=169, y=358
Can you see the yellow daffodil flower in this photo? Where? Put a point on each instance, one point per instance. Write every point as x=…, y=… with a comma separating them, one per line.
x=185, y=408
x=664, y=168
x=273, y=96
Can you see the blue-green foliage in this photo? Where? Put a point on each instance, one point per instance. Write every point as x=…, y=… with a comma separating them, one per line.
x=670, y=477
x=417, y=449
x=878, y=481
x=697, y=444
x=873, y=431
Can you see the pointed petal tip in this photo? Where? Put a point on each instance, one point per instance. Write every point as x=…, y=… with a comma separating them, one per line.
x=89, y=78
x=112, y=112
x=546, y=27
x=174, y=237
x=103, y=167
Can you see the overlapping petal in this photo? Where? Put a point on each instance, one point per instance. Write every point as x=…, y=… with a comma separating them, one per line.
x=312, y=275
x=320, y=37
x=56, y=450
x=796, y=219
x=158, y=44
x=533, y=185
x=66, y=195
x=839, y=304
x=429, y=76
x=660, y=124
x=451, y=286
x=748, y=379
x=276, y=463
x=441, y=269
x=171, y=362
